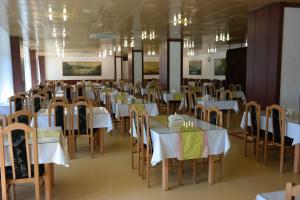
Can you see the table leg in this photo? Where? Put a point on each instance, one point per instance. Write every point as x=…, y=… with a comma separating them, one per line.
x=48, y=180
x=211, y=169
x=101, y=138
x=165, y=174
x=122, y=126
x=228, y=119
x=297, y=159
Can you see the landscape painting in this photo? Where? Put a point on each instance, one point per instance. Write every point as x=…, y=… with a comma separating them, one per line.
x=195, y=67
x=220, y=67
x=151, y=68
x=82, y=69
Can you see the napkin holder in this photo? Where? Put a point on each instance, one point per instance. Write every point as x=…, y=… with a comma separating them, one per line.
x=175, y=120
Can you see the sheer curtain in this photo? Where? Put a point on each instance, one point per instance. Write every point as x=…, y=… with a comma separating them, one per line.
x=6, y=76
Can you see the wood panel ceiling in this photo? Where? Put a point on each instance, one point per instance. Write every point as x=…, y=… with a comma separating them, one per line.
x=123, y=18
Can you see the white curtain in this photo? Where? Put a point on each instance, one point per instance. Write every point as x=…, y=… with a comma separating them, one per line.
x=6, y=77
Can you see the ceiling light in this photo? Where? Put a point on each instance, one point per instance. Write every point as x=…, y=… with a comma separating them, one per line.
x=119, y=48
x=64, y=10
x=64, y=44
x=132, y=42
x=114, y=48
x=177, y=19
x=50, y=13
x=65, y=17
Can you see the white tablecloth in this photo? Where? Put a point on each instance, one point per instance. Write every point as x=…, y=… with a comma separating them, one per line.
x=222, y=105
x=292, y=128
x=278, y=195
x=102, y=95
x=239, y=94
x=165, y=140
x=122, y=110
x=101, y=119
x=50, y=149
x=168, y=97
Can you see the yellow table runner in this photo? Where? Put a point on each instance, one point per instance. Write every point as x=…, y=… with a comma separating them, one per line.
x=192, y=141
x=139, y=107
x=178, y=96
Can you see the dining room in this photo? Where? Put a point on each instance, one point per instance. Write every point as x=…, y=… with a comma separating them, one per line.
x=131, y=99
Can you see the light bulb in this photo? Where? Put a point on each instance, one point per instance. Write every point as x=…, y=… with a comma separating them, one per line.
x=217, y=38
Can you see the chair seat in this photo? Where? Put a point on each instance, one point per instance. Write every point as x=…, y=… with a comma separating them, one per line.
x=9, y=173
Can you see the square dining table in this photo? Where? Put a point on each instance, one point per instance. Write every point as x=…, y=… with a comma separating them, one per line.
x=165, y=144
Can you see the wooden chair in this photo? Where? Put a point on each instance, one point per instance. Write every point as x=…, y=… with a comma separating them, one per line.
x=50, y=93
x=215, y=116
x=19, y=101
x=38, y=102
x=292, y=191
x=192, y=102
x=219, y=94
x=21, y=170
x=68, y=90
x=238, y=87
x=232, y=87
x=200, y=112
x=149, y=149
x=276, y=138
x=61, y=115
x=22, y=116
x=80, y=90
x=136, y=139
x=252, y=132
x=152, y=97
x=187, y=97
x=226, y=95
x=84, y=121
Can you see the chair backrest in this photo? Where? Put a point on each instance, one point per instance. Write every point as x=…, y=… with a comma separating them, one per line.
x=68, y=89
x=215, y=116
x=38, y=102
x=84, y=117
x=226, y=95
x=238, y=87
x=152, y=97
x=232, y=87
x=61, y=115
x=22, y=116
x=80, y=91
x=277, y=113
x=219, y=95
x=187, y=95
x=50, y=93
x=80, y=98
x=192, y=101
x=146, y=129
x=59, y=99
x=20, y=103
x=200, y=112
x=18, y=136
x=134, y=123
x=253, y=108
x=3, y=121
x=292, y=191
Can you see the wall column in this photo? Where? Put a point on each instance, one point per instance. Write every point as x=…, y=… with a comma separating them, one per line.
x=136, y=66
x=33, y=64
x=17, y=64
x=42, y=69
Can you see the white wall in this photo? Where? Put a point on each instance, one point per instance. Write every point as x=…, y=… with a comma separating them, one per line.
x=6, y=77
x=290, y=64
x=53, y=67
x=119, y=68
x=137, y=66
x=207, y=66
x=175, y=65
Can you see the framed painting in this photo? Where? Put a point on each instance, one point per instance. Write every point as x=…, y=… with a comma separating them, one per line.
x=151, y=68
x=195, y=67
x=82, y=69
x=220, y=67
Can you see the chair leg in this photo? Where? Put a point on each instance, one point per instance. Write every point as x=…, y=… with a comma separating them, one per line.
x=148, y=171
x=220, y=164
x=47, y=187
x=265, y=153
x=180, y=170
x=194, y=171
x=37, y=189
x=281, y=158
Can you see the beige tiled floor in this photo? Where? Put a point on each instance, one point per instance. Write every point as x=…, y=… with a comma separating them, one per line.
x=109, y=176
